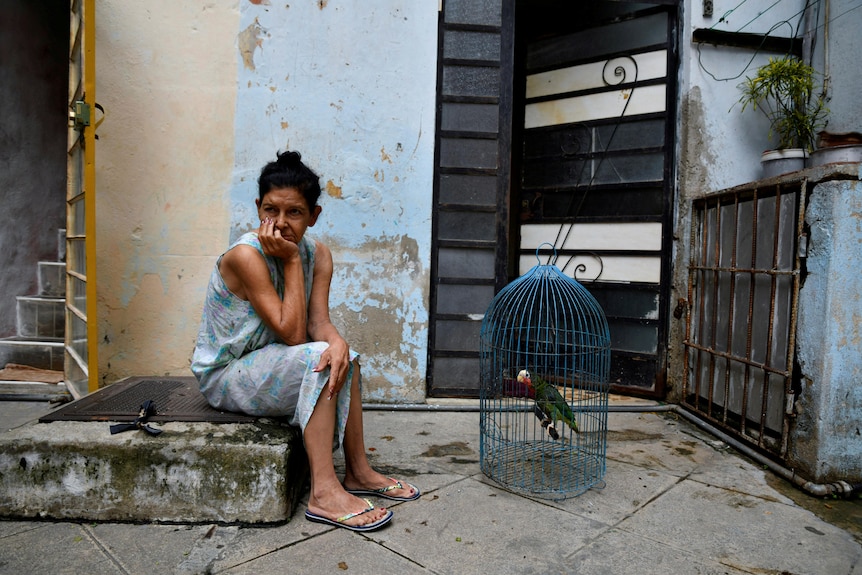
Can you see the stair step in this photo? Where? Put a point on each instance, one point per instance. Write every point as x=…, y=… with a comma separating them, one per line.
x=44, y=353
x=70, y=465
x=52, y=279
x=41, y=316
x=34, y=391
x=61, y=244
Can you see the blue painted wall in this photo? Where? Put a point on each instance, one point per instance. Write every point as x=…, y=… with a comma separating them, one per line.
x=827, y=433
x=351, y=85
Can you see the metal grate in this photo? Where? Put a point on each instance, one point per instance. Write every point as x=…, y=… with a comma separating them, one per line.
x=176, y=399
x=744, y=274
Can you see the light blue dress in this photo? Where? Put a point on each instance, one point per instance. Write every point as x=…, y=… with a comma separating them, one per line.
x=241, y=364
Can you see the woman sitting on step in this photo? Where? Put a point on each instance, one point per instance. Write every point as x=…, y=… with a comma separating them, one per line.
x=267, y=347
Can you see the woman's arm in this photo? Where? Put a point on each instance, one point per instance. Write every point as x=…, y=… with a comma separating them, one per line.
x=320, y=326
x=246, y=275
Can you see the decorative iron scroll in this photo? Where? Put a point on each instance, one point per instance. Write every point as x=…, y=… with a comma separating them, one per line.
x=615, y=72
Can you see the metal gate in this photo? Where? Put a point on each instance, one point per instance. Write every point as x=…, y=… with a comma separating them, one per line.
x=747, y=248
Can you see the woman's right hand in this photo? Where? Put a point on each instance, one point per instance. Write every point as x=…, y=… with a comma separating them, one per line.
x=273, y=243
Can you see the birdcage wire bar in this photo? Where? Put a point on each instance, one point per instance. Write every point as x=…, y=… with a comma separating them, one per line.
x=550, y=325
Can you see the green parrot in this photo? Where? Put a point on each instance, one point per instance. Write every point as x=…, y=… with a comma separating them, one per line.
x=550, y=405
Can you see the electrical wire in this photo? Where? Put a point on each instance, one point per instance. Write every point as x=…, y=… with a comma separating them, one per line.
x=794, y=30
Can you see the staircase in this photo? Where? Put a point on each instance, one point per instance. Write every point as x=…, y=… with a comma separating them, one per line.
x=39, y=341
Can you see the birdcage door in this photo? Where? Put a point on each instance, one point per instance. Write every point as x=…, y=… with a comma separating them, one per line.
x=596, y=167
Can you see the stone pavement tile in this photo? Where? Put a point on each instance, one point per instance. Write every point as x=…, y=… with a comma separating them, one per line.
x=252, y=542
x=55, y=548
x=473, y=527
x=424, y=440
x=736, y=472
x=657, y=441
x=11, y=527
x=748, y=533
x=627, y=488
x=619, y=552
x=154, y=548
x=335, y=551
x=18, y=413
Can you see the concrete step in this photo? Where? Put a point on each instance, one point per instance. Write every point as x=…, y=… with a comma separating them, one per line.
x=191, y=472
x=52, y=279
x=61, y=245
x=56, y=393
x=43, y=353
x=41, y=316
x=206, y=465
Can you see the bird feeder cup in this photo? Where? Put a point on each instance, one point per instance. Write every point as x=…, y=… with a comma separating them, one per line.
x=545, y=353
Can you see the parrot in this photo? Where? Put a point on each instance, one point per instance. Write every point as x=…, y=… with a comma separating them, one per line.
x=550, y=405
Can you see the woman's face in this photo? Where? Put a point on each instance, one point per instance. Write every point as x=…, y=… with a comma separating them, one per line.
x=289, y=211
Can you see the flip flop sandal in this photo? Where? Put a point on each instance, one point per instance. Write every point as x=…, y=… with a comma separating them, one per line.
x=383, y=491
x=340, y=522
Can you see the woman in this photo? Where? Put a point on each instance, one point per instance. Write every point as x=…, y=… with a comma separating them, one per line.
x=267, y=347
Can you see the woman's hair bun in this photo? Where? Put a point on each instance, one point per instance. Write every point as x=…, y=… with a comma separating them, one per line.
x=289, y=159
x=288, y=171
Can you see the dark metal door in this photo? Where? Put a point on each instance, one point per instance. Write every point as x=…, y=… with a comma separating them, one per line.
x=596, y=167
x=471, y=188
x=517, y=165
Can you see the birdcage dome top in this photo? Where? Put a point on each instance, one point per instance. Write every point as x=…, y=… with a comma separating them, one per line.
x=545, y=297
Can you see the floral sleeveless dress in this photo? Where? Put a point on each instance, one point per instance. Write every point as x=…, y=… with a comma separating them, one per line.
x=242, y=366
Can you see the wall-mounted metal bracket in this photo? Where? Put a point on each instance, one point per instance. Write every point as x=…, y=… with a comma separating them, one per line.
x=79, y=115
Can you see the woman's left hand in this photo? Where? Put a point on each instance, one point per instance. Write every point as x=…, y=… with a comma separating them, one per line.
x=337, y=358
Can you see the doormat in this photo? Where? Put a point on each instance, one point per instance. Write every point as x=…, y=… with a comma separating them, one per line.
x=176, y=399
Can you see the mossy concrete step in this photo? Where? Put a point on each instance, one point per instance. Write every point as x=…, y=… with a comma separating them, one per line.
x=191, y=472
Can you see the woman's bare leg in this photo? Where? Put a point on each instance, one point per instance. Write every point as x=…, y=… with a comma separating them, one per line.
x=328, y=497
x=358, y=471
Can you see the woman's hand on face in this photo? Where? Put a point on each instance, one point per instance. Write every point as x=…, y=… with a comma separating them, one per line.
x=273, y=243
x=337, y=358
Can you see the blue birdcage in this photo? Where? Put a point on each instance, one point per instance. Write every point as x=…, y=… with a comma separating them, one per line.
x=545, y=362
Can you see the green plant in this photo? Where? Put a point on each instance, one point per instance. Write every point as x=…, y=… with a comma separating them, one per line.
x=784, y=90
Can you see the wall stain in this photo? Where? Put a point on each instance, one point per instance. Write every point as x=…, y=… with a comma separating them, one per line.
x=333, y=190
x=249, y=40
x=384, y=315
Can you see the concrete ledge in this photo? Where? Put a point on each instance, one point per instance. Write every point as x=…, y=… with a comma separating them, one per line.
x=192, y=472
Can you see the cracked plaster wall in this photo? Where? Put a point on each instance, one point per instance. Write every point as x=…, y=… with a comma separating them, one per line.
x=719, y=146
x=826, y=430
x=199, y=97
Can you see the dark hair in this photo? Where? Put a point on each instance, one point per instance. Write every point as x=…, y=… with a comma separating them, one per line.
x=288, y=171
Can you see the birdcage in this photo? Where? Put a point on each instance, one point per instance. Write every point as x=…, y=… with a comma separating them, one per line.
x=545, y=361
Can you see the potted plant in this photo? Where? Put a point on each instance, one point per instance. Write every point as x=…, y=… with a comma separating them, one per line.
x=784, y=90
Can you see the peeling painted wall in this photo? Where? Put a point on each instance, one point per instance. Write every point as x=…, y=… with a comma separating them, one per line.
x=199, y=97
x=351, y=85
x=827, y=433
x=166, y=76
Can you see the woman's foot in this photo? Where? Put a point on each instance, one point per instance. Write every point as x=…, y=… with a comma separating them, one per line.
x=338, y=507
x=378, y=485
